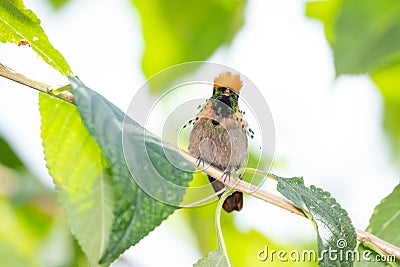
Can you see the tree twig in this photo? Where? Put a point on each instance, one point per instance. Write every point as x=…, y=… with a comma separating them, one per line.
x=389, y=249
x=362, y=236
x=10, y=74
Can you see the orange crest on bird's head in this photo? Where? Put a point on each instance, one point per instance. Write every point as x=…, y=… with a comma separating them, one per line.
x=229, y=80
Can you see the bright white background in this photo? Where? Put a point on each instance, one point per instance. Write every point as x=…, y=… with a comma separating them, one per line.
x=327, y=130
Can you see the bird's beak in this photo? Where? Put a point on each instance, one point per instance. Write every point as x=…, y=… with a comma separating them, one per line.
x=227, y=92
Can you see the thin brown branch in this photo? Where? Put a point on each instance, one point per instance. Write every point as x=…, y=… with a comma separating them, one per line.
x=244, y=186
x=10, y=74
x=389, y=249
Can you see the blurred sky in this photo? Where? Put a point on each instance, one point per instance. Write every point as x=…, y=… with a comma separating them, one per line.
x=327, y=130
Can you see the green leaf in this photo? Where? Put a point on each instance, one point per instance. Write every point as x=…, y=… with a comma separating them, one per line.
x=30, y=220
x=11, y=257
x=19, y=24
x=17, y=237
x=388, y=81
x=80, y=174
x=8, y=157
x=326, y=11
x=391, y=125
x=180, y=31
x=385, y=223
x=365, y=35
x=57, y=4
x=332, y=224
x=17, y=182
x=136, y=213
x=214, y=259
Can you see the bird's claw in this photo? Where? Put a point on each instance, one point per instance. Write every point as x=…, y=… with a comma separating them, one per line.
x=199, y=161
x=227, y=175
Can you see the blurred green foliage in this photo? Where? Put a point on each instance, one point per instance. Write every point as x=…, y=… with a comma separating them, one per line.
x=33, y=230
x=388, y=81
x=384, y=223
x=365, y=38
x=58, y=4
x=364, y=35
x=180, y=31
x=7, y=156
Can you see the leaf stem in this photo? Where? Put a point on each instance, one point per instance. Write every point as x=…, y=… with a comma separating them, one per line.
x=10, y=74
x=263, y=173
x=203, y=200
x=220, y=237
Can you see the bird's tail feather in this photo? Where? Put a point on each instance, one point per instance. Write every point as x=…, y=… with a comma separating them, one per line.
x=232, y=202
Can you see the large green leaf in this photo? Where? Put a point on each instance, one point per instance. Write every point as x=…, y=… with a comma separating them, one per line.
x=179, y=31
x=366, y=34
x=136, y=213
x=385, y=224
x=18, y=24
x=80, y=174
x=332, y=224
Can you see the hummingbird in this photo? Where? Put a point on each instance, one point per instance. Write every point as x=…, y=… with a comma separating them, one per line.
x=219, y=135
